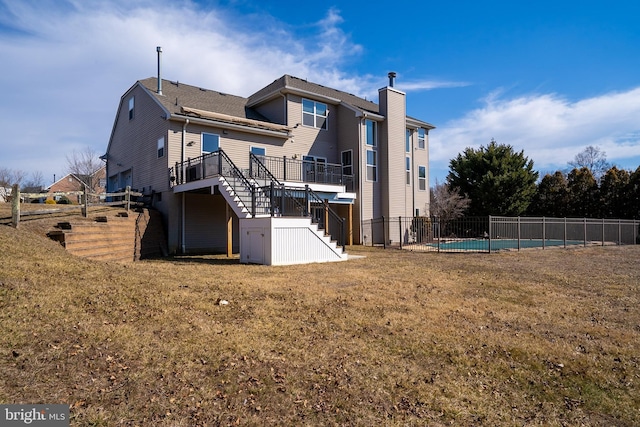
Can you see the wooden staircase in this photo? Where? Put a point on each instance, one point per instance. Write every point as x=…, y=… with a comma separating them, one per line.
x=122, y=238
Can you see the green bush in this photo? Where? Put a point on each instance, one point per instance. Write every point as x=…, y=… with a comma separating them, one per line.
x=64, y=200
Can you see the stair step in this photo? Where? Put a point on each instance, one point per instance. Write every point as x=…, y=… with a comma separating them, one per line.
x=118, y=239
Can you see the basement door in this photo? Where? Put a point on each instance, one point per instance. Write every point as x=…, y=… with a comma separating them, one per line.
x=255, y=239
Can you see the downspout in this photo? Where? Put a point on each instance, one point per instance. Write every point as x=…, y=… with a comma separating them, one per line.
x=184, y=137
x=413, y=177
x=183, y=226
x=360, y=179
x=286, y=116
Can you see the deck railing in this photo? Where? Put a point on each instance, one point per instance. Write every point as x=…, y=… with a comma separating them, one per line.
x=263, y=188
x=306, y=171
x=290, y=201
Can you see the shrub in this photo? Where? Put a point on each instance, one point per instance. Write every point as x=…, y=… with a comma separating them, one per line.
x=64, y=200
x=50, y=202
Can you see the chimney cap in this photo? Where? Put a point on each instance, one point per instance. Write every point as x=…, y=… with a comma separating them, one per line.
x=159, y=49
x=392, y=78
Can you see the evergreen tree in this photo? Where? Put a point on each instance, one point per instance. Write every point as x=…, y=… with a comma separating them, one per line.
x=613, y=188
x=552, y=196
x=497, y=180
x=632, y=195
x=583, y=194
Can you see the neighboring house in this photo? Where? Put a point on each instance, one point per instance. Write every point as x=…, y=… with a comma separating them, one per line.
x=74, y=184
x=190, y=150
x=5, y=194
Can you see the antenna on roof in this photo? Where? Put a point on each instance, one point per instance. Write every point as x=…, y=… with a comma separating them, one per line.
x=159, y=50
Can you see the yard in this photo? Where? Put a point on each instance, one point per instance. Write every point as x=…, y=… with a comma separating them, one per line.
x=395, y=338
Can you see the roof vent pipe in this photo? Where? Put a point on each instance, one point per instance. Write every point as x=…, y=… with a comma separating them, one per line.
x=159, y=50
x=392, y=78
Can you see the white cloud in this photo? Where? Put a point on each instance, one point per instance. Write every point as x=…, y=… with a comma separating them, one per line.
x=549, y=128
x=68, y=63
x=413, y=86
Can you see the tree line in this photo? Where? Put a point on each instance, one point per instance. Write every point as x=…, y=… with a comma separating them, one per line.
x=496, y=180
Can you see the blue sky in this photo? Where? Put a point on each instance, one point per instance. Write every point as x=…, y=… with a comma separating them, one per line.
x=547, y=77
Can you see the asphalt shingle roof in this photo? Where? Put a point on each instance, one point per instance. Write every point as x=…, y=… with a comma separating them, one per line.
x=176, y=95
x=304, y=85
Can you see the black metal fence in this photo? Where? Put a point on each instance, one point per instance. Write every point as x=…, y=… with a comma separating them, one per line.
x=490, y=234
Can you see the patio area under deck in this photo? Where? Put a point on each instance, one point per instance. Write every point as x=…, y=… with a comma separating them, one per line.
x=207, y=186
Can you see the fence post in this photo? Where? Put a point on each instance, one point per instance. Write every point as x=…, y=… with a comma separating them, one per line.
x=307, y=208
x=283, y=201
x=272, y=202
x=15, y=205
x=85, y=202
x=284, y=168
x=253, y=201
x=400, y=230
x=602, y=231
x=519, y=233
x=585, y=231
x=439, y=231
x=544, y=232
x=372, y=234
x=127, y=197
x=325, y=212
x=619, y=234
x=490, y=233
x=565, y=232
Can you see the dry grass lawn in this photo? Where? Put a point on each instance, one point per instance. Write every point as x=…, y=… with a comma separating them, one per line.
x=397, y=338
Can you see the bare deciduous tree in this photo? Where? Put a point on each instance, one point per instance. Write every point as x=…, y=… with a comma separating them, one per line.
x=9, y=177
x=84, y=164
x=446, y=203
x=35, y=182
x=593, y=159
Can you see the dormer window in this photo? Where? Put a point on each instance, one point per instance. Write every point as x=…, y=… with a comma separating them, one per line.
x=314, y=114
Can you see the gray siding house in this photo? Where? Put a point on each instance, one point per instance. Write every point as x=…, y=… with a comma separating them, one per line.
x=190, y=150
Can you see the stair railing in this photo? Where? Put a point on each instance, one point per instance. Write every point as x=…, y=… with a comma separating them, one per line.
x=296, y=201
x=226, y=169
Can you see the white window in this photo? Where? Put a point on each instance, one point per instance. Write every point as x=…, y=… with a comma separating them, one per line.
x=131, y=107
x=422, y=178
x=422, y=137
x=259, y=151
x=371, y=133
x=161, y=147
x=347, y=162
x=407, y=141
x=314, y=114
x=372, y=165
x=407, y=167
x=210, y=143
